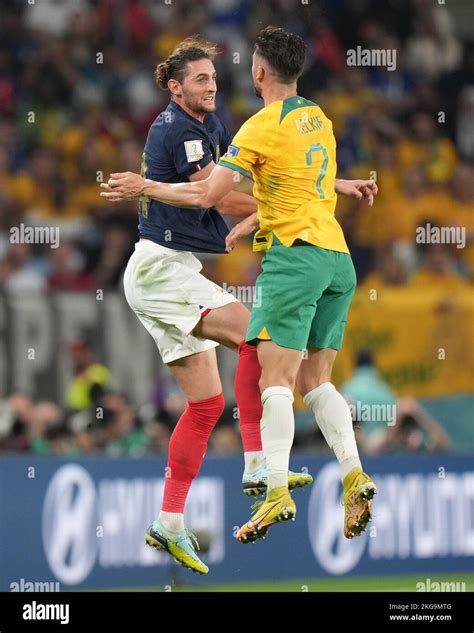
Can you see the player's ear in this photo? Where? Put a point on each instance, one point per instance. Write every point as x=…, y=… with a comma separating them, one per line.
x=174, y=87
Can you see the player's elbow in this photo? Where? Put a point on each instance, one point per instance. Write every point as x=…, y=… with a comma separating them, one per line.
x=223, y=205
x=207, y=200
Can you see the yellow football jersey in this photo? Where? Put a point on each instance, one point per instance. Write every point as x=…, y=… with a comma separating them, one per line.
x=290, y=150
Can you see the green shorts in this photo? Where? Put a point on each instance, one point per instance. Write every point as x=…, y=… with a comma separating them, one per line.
x=302, y=297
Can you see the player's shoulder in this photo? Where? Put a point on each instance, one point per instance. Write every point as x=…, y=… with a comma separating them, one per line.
x=277, y=111
x=265, y=114
x=172, y=123
x=212, y=122
x=306, y=115
x=260, y=121
x=294, y=106
x=161, y=126
x=216, y=127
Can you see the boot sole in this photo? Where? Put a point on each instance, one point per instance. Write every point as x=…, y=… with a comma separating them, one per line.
x=287, y=513
x=158, y=545
x=253, y=490
x=366, y=494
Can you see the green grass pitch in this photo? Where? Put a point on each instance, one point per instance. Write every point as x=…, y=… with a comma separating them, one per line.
x=370, y=584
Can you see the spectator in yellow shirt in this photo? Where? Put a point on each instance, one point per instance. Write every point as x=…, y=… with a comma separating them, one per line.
x=424, y=148
x=89, y=377
x=437, y=271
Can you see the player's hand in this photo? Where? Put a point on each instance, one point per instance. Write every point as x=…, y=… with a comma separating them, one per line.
x=123, y=186
x=240, y=230
x=358, y=189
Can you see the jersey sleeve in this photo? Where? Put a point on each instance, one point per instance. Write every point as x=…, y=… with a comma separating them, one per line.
x=189, y=148
x=246, y=149
x=226, y=139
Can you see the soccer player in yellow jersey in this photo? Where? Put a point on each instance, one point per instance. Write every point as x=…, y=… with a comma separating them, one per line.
x=307, y=280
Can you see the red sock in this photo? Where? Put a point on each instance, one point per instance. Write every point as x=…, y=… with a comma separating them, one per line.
x=186, y=450
x=247, y=395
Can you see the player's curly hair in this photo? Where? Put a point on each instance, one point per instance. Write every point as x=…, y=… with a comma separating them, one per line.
x=189, y=50
x=284, y=52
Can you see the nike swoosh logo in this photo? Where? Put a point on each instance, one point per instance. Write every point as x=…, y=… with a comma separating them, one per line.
x=252, y=524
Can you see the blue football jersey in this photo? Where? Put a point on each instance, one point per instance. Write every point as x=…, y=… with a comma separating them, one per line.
x=178, y=145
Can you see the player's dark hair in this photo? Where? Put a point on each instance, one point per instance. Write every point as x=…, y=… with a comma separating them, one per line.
x=284, y=52
x=189, y=50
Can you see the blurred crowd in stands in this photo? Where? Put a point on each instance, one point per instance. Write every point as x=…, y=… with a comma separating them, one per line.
x=97, y=419
x=77, y=96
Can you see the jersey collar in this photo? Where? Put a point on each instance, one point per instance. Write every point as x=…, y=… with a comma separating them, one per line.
x=177, y=108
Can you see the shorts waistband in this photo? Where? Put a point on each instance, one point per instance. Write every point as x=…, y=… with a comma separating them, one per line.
x=147, y=245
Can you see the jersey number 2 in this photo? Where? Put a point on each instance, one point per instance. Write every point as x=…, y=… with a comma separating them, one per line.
x=317, y=147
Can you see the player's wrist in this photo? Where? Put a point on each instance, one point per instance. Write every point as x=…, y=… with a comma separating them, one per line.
x=148, y=187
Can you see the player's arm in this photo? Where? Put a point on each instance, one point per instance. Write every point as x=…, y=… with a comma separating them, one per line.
x=238, y=204
x=128, y=185
x=200, y=194
x=188, y=164
x=245, y=185
x=357, y=189
x=243, y=228
x=235, y=203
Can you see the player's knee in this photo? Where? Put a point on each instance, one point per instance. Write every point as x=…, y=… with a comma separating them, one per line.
x=239, y=324
x=300, y=384
x=206, y=412
x=219, y=407
x=276, y=379
x=235, y=339
x=307, y=382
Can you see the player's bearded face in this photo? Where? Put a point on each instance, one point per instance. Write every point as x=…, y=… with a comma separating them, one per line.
x=199, y=87
x=199, y=100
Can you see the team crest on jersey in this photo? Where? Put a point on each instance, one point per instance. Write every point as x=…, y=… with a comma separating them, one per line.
x=232, y=151
x=194, y=150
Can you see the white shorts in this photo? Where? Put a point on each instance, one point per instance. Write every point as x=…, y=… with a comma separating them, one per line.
x=168, y=294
